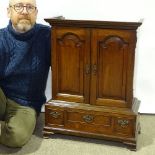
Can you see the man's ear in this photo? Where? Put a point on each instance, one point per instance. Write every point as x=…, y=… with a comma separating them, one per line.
x=8, y=12
x=36, y=12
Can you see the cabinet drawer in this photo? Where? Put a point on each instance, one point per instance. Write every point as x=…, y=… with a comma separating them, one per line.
x=92, y=121
x=55, y=116
x=124, y=126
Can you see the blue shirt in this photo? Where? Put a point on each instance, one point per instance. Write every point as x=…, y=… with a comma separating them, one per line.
x=24, y=64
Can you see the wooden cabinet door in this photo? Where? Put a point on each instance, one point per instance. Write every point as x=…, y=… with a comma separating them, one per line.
x=112, y=62
x=70, y=64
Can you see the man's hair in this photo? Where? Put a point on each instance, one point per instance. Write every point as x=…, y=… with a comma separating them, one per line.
x=12, y=1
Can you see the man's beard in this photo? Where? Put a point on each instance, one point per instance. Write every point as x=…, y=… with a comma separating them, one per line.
x=23, y=26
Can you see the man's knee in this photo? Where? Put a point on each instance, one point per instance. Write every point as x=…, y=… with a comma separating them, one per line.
x=17, y=137
x=14, y=136
x=19, y=125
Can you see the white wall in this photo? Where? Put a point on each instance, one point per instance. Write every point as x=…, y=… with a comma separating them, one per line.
x=120, y=10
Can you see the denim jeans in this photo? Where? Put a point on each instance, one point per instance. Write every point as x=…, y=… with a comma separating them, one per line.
x=17, y=122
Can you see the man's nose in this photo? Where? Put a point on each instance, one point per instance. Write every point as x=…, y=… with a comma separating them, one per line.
x=24, y=10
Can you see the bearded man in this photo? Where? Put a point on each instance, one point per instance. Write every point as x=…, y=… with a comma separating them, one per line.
x=24, y=67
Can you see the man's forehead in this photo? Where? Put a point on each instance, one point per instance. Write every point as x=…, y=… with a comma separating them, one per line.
x=22, y=1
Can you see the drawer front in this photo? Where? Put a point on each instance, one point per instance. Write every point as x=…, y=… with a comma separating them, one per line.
x=94, y=122
x=55, y=116
x=124, y=126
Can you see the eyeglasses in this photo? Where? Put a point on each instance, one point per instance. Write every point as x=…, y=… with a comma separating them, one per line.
x=19, y=7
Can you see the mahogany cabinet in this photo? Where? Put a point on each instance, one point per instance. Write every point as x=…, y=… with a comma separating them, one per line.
x=92, y=80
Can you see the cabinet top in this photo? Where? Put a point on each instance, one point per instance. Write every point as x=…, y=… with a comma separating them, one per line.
x=93, y=24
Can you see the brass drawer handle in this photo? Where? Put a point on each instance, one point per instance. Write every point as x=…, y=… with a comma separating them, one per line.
x=55, y=114
x=123, y=123
x=87, y=69
x=88, y=118
x=94, y=69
